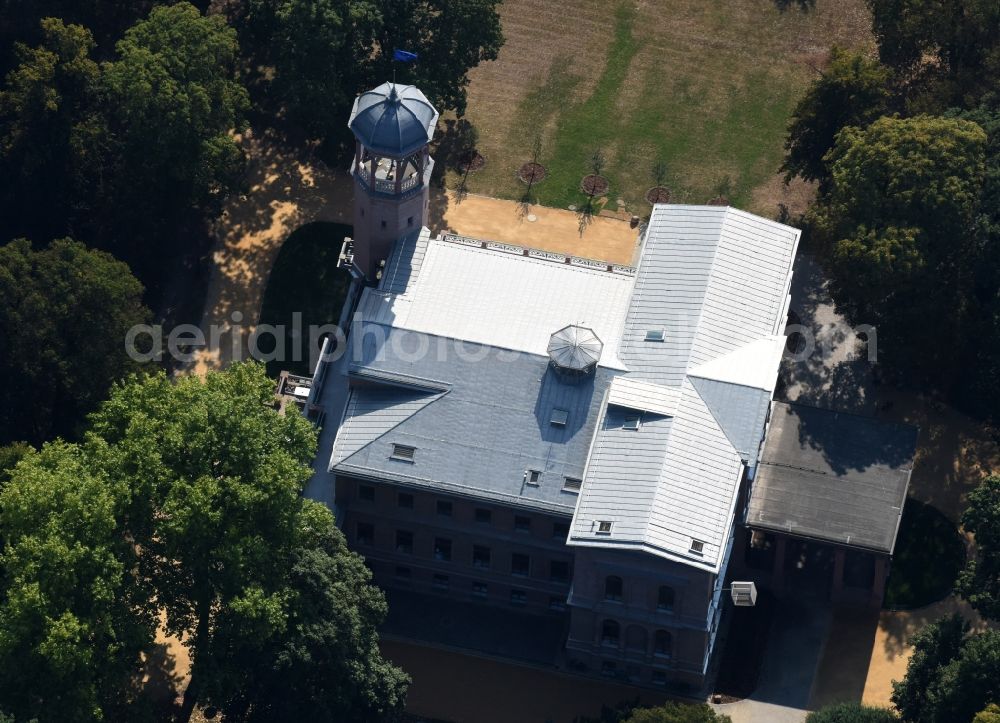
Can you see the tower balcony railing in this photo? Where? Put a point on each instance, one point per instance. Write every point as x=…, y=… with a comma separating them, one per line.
x=386, y=186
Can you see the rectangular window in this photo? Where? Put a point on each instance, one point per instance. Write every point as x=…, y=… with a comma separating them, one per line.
x=654, y=335
x=557, y=604
x=697, y=547
x=366, y=493
x=405, y=500
x=481, y=556
x=520, y=564
x=480, y=589
x=483, y=516
x=518, y=597
x=403, y=452
x=444, y=508
x=560, y=531
x=533, y=477
x=631, y=423
x=409, y=221
x=603, y=527
x=365, y=533
x=522, y=523
x=559, y=571
x=404, y=541
x=440, y=582
x=572, y=484
x=442, y=549
x=559, y=417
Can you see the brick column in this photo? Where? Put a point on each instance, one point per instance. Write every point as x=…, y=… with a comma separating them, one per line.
x=878, y=587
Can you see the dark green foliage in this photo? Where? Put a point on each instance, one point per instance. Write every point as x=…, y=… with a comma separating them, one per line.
x=630, y=712
x=327, y=51
x=174, y=101
x=852, y=713
x=951, y=675
x=73, y=615
x=51, y=129
x=239, y=560
x=64, y=313
x=979, y=583
x=899, y=226
x=948, y=50
x=853, y=91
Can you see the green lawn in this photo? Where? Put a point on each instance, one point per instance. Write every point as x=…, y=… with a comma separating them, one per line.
x=707, y=87
x=929, y=554
x=305, y=278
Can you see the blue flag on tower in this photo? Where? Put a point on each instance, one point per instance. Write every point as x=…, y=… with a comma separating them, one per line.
x=403, y=56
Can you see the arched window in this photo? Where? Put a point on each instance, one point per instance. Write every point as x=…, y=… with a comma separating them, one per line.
x=613, y=588
x=610, y=632
x=665, y=599
x=663, y=644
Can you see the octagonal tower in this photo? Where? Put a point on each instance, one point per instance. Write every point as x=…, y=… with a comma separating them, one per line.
x=393, y=125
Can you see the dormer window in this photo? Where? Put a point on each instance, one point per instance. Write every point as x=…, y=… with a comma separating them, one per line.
x=559, y=417
x=604, y=527
x=533, y=477
x=631, y=422
x=655, y=335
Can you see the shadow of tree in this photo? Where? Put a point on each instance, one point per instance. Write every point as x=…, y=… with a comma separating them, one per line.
x=803, y=5
x=161, y=681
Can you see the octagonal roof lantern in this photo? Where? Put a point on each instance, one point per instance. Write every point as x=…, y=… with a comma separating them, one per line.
x=575, y=350
x=393, y=120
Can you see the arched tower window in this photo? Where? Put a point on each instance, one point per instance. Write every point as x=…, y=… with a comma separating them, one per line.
x=663, y=644
x=613, y=588
x=665, y=599
x=610, y=632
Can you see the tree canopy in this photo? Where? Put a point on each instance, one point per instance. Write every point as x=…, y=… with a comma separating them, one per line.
x=951, y=675
x=73, y=615
x=979, y=583
x=247, y=568
x=306, y=39
x=853, y=91
x=900, y=222
x=64, y=313
x=852, y=713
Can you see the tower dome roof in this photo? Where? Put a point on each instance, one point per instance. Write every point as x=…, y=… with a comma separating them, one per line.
x=575, y=348
x=393, y=119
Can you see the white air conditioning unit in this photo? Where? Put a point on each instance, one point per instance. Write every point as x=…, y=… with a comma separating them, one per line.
x=744, y=594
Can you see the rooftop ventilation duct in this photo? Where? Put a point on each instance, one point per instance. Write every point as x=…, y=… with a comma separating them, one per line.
x=574, y=352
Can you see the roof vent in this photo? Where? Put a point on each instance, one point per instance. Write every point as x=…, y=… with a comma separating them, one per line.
x=559, y=417
x=533, y=477
x=697, y=547
x=403, y=452
x=574, y=351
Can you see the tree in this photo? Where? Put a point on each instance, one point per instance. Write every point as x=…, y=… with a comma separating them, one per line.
x=853, y=91
x=233, y=550
x=969, y=682
x=979, y=583
x=64, y=313
x=949, y=50
x=324, y=659
x=175, y=102
x=852, y=713
x=989, y=714
x=305, y=39
x=73, y=615
x=936, y=648
x=900, y=225
x=50, y=130
x=677, y=713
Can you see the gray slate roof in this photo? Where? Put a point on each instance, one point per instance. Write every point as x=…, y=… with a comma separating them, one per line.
x=833, y=476
x=394, y=120
x=477, y=438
